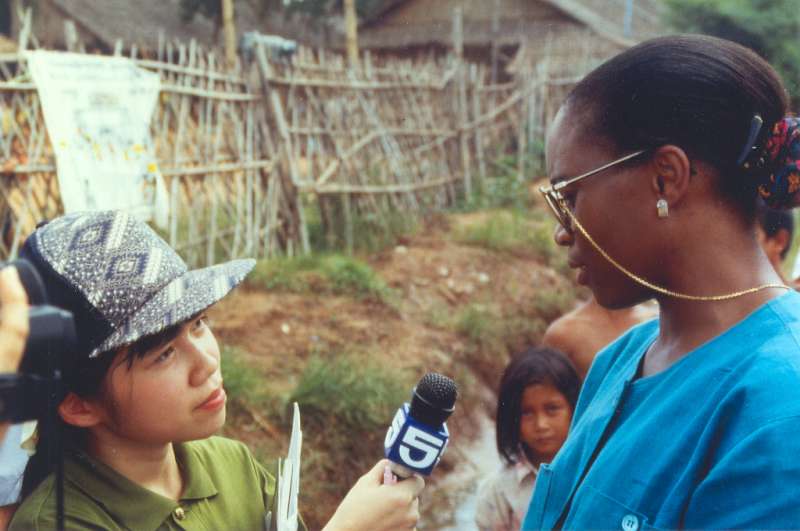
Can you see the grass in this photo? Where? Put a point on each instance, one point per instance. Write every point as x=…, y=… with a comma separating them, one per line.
x=347, y=401
x=347, y=404
x=358, y=394
x=504, y=188
x=480, y=325
x=552, y=303
x=332, y=274
x=371, y=232
x=510, y=231
x=241, y=382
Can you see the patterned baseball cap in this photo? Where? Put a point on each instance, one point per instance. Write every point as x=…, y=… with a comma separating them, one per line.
x=121, y=281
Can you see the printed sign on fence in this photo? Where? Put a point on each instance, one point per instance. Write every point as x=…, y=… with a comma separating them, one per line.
x=98, y=111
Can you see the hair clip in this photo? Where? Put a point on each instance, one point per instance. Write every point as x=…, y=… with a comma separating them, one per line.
x=755, y=128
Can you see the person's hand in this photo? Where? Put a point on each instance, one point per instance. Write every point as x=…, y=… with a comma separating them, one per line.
x=13, y=320
x=372, y=506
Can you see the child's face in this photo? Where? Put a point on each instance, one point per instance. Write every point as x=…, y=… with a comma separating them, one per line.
x=173, y=393
x=544, y=421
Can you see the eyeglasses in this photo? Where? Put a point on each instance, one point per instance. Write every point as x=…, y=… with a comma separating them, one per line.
x=555, y=200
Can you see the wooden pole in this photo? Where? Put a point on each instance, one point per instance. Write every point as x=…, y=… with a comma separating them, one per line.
x=351, y=32
x=495, y=35
x=230, y=33
x=463, y=111
x=283, y=128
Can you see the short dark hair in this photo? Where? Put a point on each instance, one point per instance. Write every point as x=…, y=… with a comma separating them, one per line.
x=772, y=220
x=537, y=365
x=697, y=92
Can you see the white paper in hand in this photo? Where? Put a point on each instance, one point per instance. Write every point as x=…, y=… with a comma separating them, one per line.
x=289, y=479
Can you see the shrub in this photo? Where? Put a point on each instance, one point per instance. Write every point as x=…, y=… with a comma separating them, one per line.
x=357, y=394
x=333, y=274
x=347, y=404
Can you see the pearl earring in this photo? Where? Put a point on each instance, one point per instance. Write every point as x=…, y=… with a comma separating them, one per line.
x=662, y=207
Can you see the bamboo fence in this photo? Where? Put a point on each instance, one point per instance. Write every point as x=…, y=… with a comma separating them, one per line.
x=402, y=136
x=244, y=152
x=209, y=136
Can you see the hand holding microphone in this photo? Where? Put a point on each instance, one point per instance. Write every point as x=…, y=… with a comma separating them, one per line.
x=372, y=506
x=414, y=444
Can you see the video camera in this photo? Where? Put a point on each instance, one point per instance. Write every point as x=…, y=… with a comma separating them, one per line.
x=32, y=392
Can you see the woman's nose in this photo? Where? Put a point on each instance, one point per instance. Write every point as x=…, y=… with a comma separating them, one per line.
x=562, y=236
x=206, y=361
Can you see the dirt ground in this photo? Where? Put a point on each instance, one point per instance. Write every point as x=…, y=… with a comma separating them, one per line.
x=434, y=278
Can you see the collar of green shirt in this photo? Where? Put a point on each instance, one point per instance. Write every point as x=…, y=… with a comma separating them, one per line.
x=134, y=506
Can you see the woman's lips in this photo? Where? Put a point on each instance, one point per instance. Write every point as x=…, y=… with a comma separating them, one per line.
x=214, y=401
x=582, y=276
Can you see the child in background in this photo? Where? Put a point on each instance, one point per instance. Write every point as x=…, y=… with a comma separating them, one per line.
x=537, y=396
x=143, y=395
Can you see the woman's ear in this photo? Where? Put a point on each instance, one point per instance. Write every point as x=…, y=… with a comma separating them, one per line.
x=79, y=412
x=672, y=173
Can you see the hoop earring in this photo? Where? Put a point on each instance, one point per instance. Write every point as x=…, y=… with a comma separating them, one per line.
x=662, y=207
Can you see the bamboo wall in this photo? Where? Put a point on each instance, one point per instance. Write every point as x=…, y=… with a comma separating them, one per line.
x=240, y=151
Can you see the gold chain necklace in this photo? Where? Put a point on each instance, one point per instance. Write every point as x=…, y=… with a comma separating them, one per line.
x=665, y=291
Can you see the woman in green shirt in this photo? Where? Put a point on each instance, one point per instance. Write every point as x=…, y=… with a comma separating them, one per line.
x=143, y=396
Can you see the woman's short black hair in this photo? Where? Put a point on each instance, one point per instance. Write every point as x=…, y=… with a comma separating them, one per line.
x=537, y=365
x=697, y=92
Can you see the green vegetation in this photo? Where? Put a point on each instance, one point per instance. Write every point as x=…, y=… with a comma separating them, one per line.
x=493, y=337
x=333, y=274
x=513, y=232
x=770, y=27
x=347, y=402
x=330, y=229
x=551, y=304
x=357, y=394
x=503, y=187
x=481, y=325
x=241, y=382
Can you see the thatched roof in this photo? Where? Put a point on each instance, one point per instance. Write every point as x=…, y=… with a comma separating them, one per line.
x=136, y=22
x=140, y=21
x=605, y=18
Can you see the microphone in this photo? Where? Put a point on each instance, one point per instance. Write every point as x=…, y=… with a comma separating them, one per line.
x=418, y=435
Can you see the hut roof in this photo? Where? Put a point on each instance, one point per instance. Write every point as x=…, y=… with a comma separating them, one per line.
x=605, y=18
x=140, y=22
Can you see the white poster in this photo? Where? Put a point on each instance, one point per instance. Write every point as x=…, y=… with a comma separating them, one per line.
x=98, y=111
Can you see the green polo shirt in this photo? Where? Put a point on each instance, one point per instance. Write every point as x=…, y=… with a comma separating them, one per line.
x=225, y=488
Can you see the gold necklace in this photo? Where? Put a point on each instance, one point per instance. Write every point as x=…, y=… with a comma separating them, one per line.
x=665, y=291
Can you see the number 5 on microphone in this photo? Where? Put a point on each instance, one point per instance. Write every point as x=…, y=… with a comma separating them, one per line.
x=414, y=445
x=416, y=439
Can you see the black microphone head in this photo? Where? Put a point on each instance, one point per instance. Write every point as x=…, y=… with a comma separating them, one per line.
x=31, y=281
x=433, y=399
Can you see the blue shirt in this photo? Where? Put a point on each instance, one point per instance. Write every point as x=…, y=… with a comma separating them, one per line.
x=713, y=441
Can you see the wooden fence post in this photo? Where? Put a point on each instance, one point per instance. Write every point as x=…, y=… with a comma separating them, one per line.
x=351, y=32
x=229, y=26
x=463, y=110
x=286, y=137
